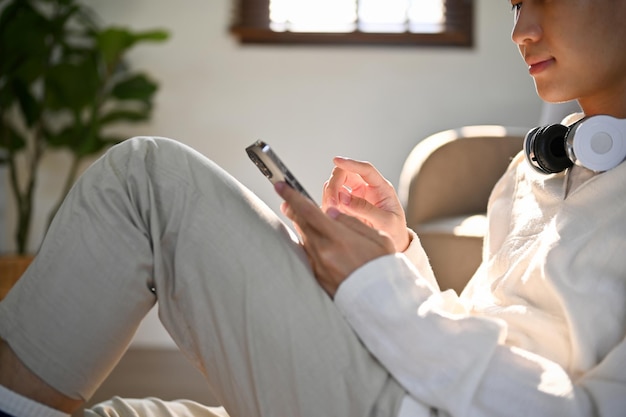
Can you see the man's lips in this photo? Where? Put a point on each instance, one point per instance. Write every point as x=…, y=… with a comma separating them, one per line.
x=536, y=66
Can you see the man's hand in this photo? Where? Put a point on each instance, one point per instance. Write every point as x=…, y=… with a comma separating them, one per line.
x=336, y=244
x=358, y=189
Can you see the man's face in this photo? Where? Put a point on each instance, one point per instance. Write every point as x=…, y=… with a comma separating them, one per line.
x=575, y=49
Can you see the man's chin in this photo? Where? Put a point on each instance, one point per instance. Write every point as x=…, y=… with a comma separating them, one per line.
x=551, y=93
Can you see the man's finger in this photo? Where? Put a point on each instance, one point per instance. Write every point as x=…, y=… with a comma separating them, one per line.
x=358, y=226
x=303, y=211
x=365, y=170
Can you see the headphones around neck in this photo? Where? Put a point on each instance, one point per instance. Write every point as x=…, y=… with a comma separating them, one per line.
x=599, y=145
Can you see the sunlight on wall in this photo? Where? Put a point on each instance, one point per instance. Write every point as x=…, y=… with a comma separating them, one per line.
x=313, y=15
x=343, y=15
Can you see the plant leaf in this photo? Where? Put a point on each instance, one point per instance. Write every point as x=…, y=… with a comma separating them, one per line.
x=65, y=137
x=27, y=102
x=73, y=85
x=23, y=48
x=125, y=116
x=113, y=43
x=137, y=87
x=157, y=35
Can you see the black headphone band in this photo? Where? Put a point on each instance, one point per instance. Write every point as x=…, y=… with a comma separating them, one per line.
x=545, y=148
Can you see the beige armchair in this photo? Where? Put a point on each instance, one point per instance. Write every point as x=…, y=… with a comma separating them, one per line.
x=444, y=187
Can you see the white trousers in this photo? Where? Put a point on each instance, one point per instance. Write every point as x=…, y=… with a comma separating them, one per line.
x=154, y=220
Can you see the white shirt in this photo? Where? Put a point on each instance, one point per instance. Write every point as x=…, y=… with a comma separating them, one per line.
x=539, y=330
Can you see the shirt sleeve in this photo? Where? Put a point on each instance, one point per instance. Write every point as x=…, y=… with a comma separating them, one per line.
x=416, y=255
x=417, y=333
x=458, y=363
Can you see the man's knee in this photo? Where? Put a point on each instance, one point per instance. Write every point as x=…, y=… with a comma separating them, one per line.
x=153, y=151
x=146, y=147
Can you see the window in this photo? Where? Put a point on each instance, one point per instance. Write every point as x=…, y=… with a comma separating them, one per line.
x=374, y=22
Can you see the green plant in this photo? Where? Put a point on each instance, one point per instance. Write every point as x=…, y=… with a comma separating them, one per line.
x=64, y=83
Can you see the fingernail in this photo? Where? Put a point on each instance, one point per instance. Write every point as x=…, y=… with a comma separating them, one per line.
x=279, y=186
x=332, y=212
x=345, y=198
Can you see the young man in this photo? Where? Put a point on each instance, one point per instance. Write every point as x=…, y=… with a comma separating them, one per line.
x=539, y=330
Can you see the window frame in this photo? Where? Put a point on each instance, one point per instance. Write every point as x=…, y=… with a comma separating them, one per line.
x=252, y=26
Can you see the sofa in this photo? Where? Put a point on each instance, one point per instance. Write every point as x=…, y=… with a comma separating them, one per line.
x=444, y=186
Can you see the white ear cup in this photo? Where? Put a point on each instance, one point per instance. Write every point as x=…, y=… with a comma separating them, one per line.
x=599, y=144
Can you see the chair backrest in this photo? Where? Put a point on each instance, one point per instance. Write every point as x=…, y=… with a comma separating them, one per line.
x=452, y=173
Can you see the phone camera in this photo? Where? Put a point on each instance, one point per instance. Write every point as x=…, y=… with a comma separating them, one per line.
x=260, y=164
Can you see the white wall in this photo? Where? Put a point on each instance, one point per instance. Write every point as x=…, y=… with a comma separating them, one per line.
x=311, y=103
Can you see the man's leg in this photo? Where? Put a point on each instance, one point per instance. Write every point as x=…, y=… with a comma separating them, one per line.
x=153, y=219
x=16, y=376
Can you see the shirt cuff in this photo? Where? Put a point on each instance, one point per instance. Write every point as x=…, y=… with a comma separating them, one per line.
x=417, y=256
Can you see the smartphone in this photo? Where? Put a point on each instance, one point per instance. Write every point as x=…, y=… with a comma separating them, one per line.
x=272, y=167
